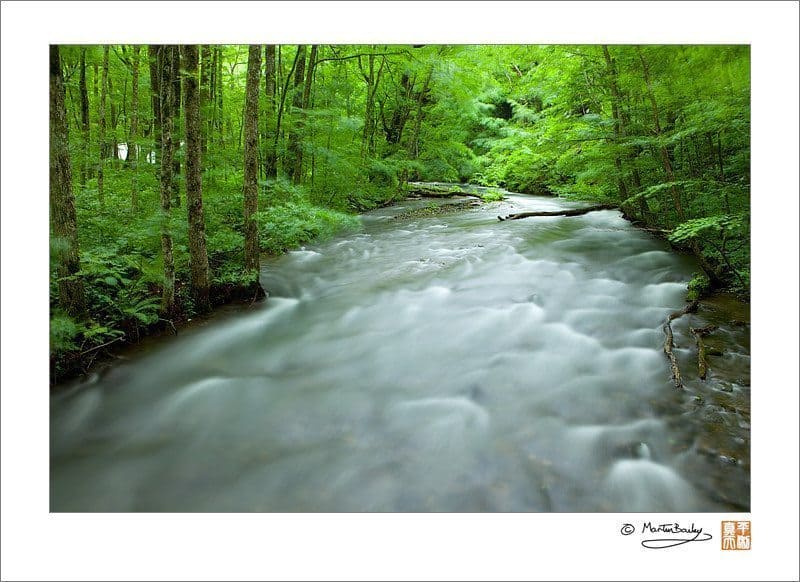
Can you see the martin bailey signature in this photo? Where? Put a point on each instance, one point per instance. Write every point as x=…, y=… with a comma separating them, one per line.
x=666, y=535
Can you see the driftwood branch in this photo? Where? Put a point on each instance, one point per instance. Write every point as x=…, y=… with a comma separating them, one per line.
x=699, y=333
x=108, y=343
x=573, y=212
x=669, y=342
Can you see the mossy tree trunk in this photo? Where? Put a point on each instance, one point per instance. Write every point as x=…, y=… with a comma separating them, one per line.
x=294, y=152
x=62, y=200
x=205, y=94
x=175, y=112
x=133, y=134
x=154, y=58
x=662, y=150
x=102, y=131
x=84, y=118
x=166, y=179
x=198, y=257
x=619, y=130
x=251, y=253
x=297, y=172
x=270, y=84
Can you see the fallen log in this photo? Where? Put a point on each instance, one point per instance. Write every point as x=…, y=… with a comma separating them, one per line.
x=669, y=342
x=572, y=212
x=439, y=191
x=699, y=333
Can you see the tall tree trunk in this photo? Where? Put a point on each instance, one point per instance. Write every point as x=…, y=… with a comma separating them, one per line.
x=102, y=132
x=370, y=122
x=270, y=162
x=62, y=201
x=413, y=145
x=212, y=97
x=220, y=110
x=154, y=55
x=282, y=105
x=369, y=104
x=251, y=262
x=166, y=87
x=205, y=78
x=312, y=62
x=111, y=145
x=133, y=136
x=619, y=130
x=297, y=173
x=198, y=258
x=295, y=149
x=175, y=111
x=664, y=154
x=394, y=129
x=84, y=119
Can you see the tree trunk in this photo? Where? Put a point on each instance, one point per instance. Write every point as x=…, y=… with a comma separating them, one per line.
x=175, y=111
x=84, y=119
x=198, y=258
x=270, y=85
x=297, y=173
x=212, y=97
x=111, y=145
x=619, y=131
x=394, y=129
x=372, y=79
x=282, y=105
x=133, y=136
x=62, y=201
x=413, y=145
x=102, y=133
x=294, y=150
x=220, y=110
x=165, y=100
x=664, y=154
x=155, y=54
x=251, y=253
x=205, y=79
x=312, y=62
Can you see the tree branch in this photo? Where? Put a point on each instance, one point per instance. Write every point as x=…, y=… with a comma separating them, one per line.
x=349, y=57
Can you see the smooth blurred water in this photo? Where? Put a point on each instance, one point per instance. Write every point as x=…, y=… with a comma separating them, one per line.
x=451, y=363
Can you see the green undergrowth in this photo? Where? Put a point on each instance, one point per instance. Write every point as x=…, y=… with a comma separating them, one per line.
x=122, y=268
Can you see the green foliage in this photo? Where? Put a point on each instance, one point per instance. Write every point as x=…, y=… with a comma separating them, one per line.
x=64, y=333
x=714, y=226
x=536, y=119
x=492, y=196
x=296, y=222
x=698, y=287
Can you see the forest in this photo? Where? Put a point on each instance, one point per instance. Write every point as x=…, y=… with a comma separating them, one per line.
x=174, y=170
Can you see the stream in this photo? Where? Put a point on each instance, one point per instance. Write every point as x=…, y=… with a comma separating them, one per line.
x=448, y=362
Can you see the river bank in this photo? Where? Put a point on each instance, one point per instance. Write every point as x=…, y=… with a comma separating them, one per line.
x=68, y=364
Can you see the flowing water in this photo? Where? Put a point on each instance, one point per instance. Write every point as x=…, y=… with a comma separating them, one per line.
x=443, y=363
